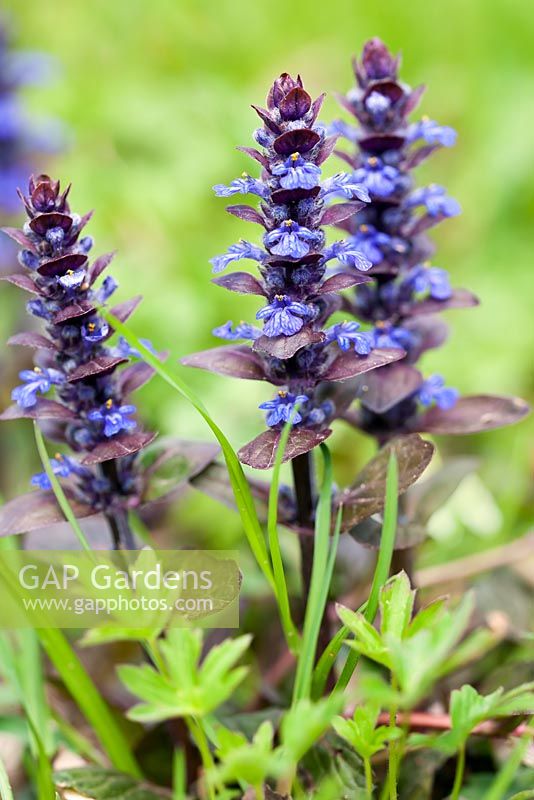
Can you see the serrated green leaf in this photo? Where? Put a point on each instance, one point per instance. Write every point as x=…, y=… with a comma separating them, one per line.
x=306, y=722
x=99, y=783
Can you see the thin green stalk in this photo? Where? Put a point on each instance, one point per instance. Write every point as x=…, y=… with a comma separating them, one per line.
x=199, y=737
x=392, y=749
x=89, y=700
x=368, y=778
x=459, y=775
x=58, y=490
x=319, y=584
x=383, y=564
x=282, y=597
x=179, y=776
x=5, y=787
x=505, y=776
x=241, y=489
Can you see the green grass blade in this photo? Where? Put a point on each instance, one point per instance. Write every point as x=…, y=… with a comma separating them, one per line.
x=383, y=565
x=506, y=774
x=290, y=631
x=57, y=489
x=42, y=767
x=241, y=489
x=89, y=700
x=318, y=592
x=5, y=787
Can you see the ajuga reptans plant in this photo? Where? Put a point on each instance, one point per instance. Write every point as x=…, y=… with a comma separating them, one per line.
x=407, y=290
x=91, y=378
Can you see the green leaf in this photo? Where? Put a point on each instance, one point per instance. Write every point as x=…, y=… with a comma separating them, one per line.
x=179, y=687
x=396, y=606
x=306, y=722
x=468, y=709
x=5, y=787
x=361, y=731
x=99, y=783
x=367, y=640
x=89, y=700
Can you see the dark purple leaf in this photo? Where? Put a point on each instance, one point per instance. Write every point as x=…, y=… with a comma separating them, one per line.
x=124, y=311
x=341, y=211
x=414, y=98
x=256, y=155
x=61, y=265
x=22, y=281
x=266, y=117
x=133, y=377
x=350, y=364
x=390, y=89
x=300, y=140
x=43, y=222
x=43, y=409
x=352, y=161
x=368, y=533
x=286, y=346
x=285, y=196
x=123, y=445
x=460, y=298
x=32, y=339
x=261, y=452
x=381, y=389
x=241, y=282
x=473, y=414
x=75, y=310
x=295, y=104
x=19, y=237
x=316, y=107
x=326, y=149
x=342, y=280
x=344, y=102
x=85, y=219
x=419, y=155
x=246, y=213
x=101, y=365
x=366, y=495
x=378, y=144
x=98, y=266
x=35, y=510
x=239, y=361
x=430, y=332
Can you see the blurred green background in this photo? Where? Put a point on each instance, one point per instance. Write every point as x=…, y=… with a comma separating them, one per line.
x=156, y=95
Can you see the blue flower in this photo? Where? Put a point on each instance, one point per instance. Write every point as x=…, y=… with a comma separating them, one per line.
x=241, y=331
x=348, y=335
x=283, y=316
x=280, y=409
x=124, y=349
x=243, y=185
x=387, y=335
x=109, y=285
x=236, y=252
x=38, y=309
x=433, y=280
x=28, y=259
x=72, y=279
x=348, y=254
x=61, y=467
x=435, y=200
x=434, y=390
x=291, y=239
x=341, y=128
x=55, y=237
x=345, y=185
x=114, y=418
x=379, y=178
x=369, y=241
x=36, y=381
x=296, y=173
x=432, y=133
x=377, y=104
x=95, y=331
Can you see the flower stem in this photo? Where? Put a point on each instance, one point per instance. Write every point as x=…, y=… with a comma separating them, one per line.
x=368, y=778
x=459, y=776
x=118, y=518
x=304, y=483
x=201, y=741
